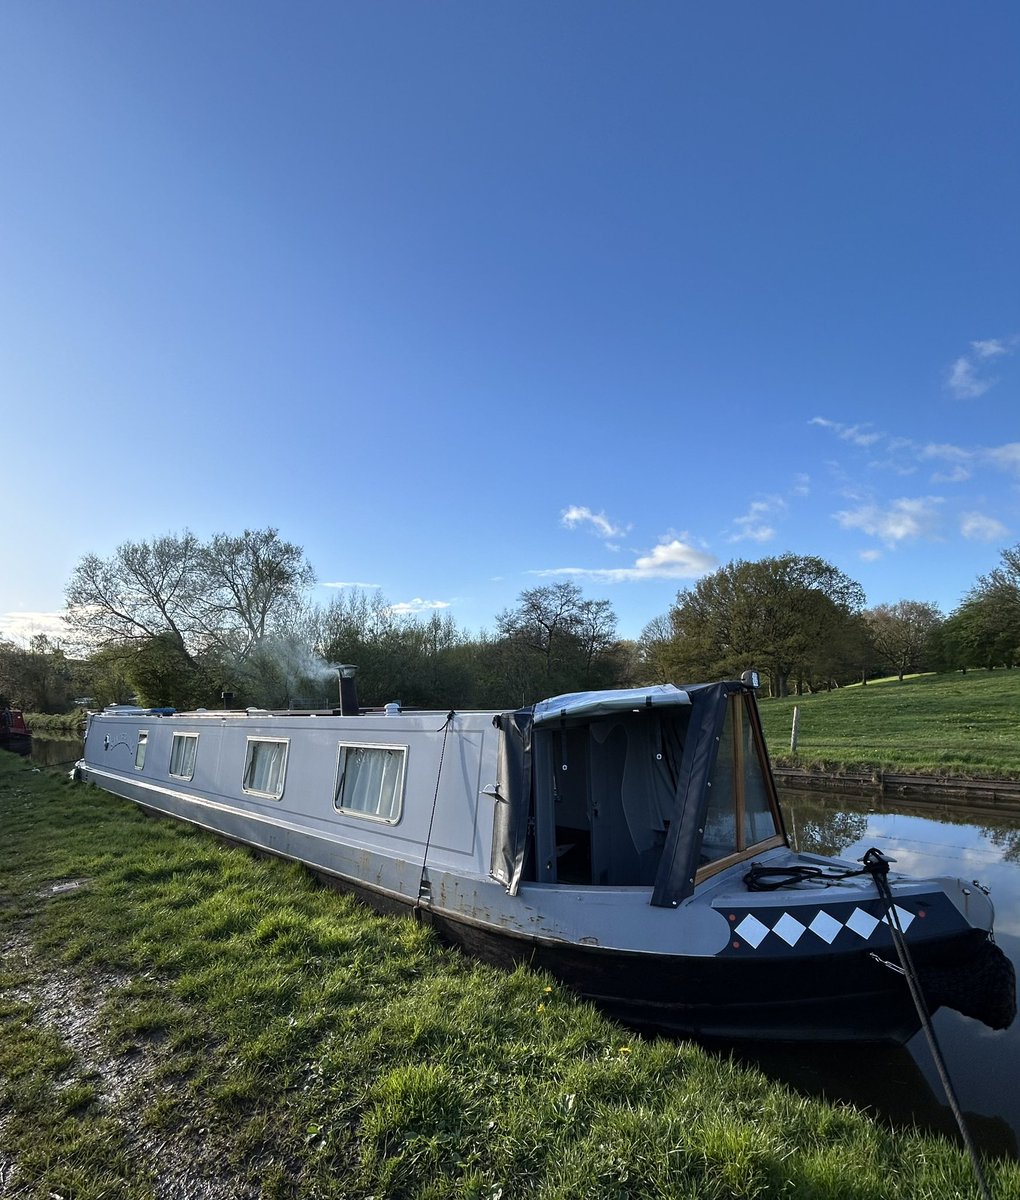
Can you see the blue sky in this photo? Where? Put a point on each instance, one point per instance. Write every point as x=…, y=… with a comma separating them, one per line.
x=470, y=297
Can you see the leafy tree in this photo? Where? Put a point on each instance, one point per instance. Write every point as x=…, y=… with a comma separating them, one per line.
x=161, y=674
x=39, y=678
x=985, y=630
x=787, y=616
x=902, y=633
x=104, y=676
x=417, y=661
x=654, y=650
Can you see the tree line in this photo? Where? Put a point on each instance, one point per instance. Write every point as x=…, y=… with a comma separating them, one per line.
x=188, y=623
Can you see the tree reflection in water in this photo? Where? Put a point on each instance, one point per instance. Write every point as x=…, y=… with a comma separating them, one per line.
x=1006, y=840
x=821, y=824
x=899, y=1084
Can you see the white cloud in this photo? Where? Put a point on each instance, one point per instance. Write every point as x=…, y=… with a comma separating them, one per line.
x=993, y=347
x=409, y=607
x=859, y=435
x=342, y=583
x=980, y=528
x=1007, y=457
x=750, y=532
x=953, y=475
x=946, y=451
x=578, y=514
x=753, y=526
x=870, y=555
x=891, y=463
x=673, y=559
x=964, y=383
x=21, y=626
x=959, y=471
x=903, y=520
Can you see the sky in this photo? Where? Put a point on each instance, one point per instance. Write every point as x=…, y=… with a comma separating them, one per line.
x=467, y=298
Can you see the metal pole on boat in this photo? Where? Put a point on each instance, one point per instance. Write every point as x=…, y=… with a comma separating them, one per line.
x=877, y=865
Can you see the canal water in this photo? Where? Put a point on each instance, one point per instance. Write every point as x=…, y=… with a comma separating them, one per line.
x=55, y=751
x=898, y=1085
x=901, y=1085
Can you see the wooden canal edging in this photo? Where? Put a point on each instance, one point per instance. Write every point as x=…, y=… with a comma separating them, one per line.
x=1000, y=796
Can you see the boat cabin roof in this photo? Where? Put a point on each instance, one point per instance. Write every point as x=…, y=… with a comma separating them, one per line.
x=601, y=704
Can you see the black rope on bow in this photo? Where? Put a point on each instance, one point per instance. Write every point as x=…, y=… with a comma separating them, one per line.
x=770, y=879
x=423, y=887
x=877, y=864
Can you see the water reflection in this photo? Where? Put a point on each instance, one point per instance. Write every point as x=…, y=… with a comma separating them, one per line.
x=55, y=751
x=900, y=1085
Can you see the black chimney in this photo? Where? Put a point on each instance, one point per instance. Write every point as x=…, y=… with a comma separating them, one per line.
x=348, y=690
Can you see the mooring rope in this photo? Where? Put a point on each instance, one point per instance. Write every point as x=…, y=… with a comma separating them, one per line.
x=771, y=879
x=432, y=816
x=877, y=864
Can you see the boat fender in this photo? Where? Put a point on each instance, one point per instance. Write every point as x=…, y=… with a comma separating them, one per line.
x=983, y=987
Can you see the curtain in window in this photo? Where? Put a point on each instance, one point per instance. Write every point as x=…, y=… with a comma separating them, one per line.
x=182, y=755
x=369, y=780
x=264, y=772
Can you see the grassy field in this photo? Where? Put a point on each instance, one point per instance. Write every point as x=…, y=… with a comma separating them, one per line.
x=182, y=1019
x=965, y=725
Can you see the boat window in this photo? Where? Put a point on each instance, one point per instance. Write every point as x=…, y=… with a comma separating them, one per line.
x=370, y=781
x=759, y=819
x=143, y=740
x=265, y=766
x=182, y=755
x=740, y=814
x=720, y=837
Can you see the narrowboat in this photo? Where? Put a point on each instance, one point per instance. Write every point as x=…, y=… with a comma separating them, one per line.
x=14, y=733
x=630, y=842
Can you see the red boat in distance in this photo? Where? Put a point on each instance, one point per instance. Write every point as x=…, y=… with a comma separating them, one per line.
x=14, y=733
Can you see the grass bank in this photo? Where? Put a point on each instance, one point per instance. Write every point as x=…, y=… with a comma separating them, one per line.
x=960, y=725
x=180, y=1018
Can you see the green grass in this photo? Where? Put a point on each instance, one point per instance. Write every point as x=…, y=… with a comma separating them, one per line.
x=963, y=725
x=191, y=1008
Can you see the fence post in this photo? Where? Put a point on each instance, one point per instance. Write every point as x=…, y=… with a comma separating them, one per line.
x=795, y=730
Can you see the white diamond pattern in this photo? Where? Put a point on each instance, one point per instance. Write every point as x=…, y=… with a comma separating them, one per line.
x=789, y=929
x=825, y=927
x=862, y=923
x=752, y=930
x=906, y=918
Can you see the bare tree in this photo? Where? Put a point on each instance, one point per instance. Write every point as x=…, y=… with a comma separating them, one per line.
x=223, y=596
x=143, y=591
x=902, y=632
x=250, y=584
x=555, y=640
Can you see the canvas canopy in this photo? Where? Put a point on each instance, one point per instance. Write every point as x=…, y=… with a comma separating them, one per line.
x=600, y=704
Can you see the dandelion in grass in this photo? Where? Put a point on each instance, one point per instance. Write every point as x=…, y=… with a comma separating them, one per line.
x=541, y=1008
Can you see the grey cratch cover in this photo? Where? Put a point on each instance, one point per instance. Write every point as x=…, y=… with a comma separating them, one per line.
x=513, y=798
